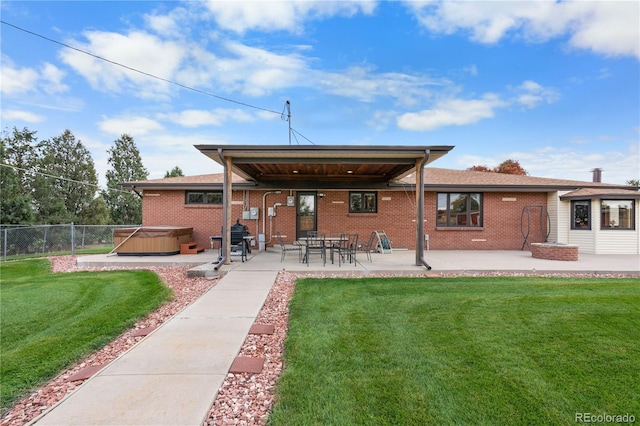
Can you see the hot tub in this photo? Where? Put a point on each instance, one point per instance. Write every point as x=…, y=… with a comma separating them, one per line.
x=151, y=240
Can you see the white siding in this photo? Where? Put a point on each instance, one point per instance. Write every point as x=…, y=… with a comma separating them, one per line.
x=585, y=239
x=553, y=200
x=616, y=241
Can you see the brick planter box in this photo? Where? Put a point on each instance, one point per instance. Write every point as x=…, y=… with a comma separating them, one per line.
x=554, y=251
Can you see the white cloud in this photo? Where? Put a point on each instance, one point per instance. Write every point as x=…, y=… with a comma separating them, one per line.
x=197, y=118
x=132, y=126
x=240, y=16
x=52, y=79
x=18, y=115
x=381, y=119
x=137, y=50
x=610, y=28
x=530, y=94
x=364, y=84
x=451, y=112
x=257, y=72
x=171, y=24
x=19, y=81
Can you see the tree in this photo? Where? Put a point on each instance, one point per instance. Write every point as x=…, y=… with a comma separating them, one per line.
x=67, y=184
x=15, y=204
x=126, y=166
x=634, y=182
x=21, y=151
x=510, y=167
x=96, y=213
x=175, y=172
x=481, y=168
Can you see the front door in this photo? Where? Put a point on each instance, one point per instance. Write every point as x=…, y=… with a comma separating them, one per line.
x=306, y=214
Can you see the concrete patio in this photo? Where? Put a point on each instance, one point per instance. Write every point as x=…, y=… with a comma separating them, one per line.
x=399, y=261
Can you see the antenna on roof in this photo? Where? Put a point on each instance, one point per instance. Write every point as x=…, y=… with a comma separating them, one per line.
x=288, y=106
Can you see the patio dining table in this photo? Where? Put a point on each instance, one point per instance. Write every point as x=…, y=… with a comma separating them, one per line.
x=329, y=243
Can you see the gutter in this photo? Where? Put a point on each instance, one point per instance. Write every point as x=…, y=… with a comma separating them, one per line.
x=420, y=260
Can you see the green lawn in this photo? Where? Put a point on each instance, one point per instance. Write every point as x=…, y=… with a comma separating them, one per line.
x=477, y=350
x=48, y=321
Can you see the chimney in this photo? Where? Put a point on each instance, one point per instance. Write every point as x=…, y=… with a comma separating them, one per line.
x=597, y=175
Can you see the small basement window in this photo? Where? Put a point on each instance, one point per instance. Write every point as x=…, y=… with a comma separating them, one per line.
x=203, y=197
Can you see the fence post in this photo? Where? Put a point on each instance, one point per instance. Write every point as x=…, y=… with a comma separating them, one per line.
x=73, y=240
x=4, y=246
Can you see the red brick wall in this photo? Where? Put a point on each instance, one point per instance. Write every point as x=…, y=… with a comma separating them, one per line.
x=554, y=252
x=396, y=216
x=501, y=228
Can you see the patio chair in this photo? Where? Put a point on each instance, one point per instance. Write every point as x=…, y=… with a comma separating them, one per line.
x=340, y=247
x=369, y=246
x=316, y=245
x=285, y=248
x=352, y=247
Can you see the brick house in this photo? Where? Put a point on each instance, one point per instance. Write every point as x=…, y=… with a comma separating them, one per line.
x=293, y=190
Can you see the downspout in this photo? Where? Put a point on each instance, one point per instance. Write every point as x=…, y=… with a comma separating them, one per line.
x=223, y=243
x=264, y=214
x=133, y=188
x=420, y=260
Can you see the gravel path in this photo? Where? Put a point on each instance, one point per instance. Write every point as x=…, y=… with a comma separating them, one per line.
x=243, y=399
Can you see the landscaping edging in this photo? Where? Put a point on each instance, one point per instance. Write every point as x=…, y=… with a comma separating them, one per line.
x=554, y=251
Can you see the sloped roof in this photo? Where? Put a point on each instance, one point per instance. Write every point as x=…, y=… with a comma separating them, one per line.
x=328, y=166
x=609, y=193
x=208, y=181
x=436, y=179
x=446, y=179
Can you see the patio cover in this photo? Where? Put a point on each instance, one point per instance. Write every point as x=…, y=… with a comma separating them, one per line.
x=323, y=167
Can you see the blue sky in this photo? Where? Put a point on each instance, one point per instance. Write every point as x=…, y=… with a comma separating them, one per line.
x=553, y=85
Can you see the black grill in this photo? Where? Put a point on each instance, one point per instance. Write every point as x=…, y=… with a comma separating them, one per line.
x=238, y=231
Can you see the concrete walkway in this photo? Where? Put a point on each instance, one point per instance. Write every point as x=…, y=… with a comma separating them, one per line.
x=172, y=376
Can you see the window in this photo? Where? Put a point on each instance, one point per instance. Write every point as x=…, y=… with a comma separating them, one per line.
x=581, y=214
x=202, y=197
x=459, y=209
x=363, y=202
x=617, y=214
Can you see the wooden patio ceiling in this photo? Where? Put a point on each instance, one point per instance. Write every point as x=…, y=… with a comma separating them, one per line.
x=322, y=166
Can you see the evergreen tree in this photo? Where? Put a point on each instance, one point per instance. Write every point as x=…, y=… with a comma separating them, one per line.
x=175, y=172
x=96, y=213
x=126, y=166
x=68, y=181
x=15, y=204
x=21, y=151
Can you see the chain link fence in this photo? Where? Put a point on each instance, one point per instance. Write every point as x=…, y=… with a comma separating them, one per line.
x=17, y=241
